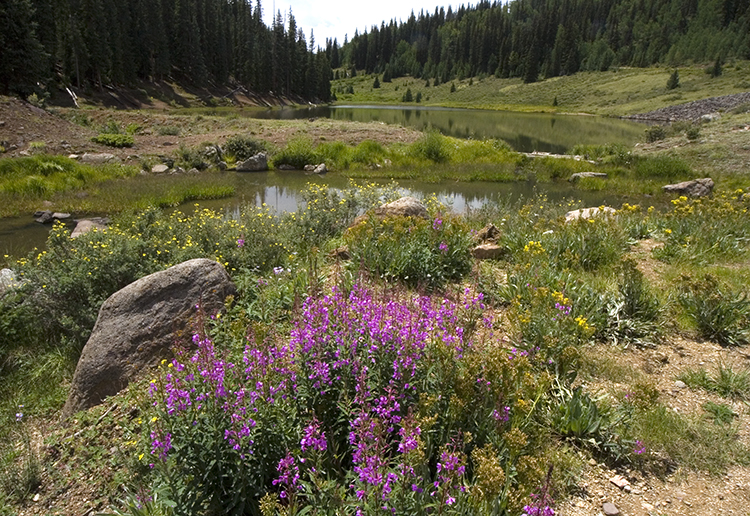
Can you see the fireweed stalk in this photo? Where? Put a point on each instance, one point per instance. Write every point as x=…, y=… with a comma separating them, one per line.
x=360, y=395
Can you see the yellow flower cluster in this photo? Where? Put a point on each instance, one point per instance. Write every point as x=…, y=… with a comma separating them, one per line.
x=534, y=247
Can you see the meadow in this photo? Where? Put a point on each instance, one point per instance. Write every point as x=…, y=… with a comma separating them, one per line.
x=411, y=378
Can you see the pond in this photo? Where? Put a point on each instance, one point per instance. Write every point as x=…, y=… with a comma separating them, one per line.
x=281, y=192
x=524, y=132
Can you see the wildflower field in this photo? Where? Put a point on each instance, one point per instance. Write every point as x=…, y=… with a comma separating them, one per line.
x=410, y=379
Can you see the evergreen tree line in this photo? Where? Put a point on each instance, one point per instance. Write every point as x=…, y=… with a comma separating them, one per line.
x=547, y=38
x=94, y=43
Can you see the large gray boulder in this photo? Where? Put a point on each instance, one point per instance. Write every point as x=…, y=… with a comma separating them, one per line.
x=99, y=158
x=695, y=188
x=403, y=207
x=257, y=163
x=138, y=325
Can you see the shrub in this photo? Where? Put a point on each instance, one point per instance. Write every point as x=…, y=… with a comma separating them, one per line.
x=693, y=133
x=673, y=81
x=114, y=140
x=242, y=147
x=297, y=153
x=352, y=409
x=168, y=130
x=433, y=146
x=721, y=316
x=662, y=167
x=413, y=250
x=655, y=134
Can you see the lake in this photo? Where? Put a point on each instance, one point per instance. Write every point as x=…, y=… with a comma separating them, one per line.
x=524, y=132
x=280, y=191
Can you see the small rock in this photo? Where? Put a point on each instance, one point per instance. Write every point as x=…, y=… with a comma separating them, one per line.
x=222, y=165
x=24, y=153
x=309, y=168
x=489, y=252
x=74, y=156
x=619, y=481
x=320, y=169
x=610, y=509
x=43, y=217
x=159, y=169
x=36, y=497
x=680, y=384
x=98, y=158
x=489, y=233
x=647, y=506
x=193, y=171
x=178, y=171
x=60, y=216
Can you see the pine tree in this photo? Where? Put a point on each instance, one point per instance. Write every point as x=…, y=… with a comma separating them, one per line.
x=673, y=81
x=376, y=83
x=21, y=55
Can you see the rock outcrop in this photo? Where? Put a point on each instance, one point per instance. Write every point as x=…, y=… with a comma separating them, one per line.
x=138, y=325
x=694, y=188
x=574, y=178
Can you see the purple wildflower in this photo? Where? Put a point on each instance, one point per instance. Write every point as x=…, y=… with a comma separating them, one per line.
x=240, y=243
x=313, y=437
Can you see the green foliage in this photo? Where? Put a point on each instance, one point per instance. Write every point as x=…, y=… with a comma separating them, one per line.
x=634, y=313
x=661, y=167
x=655, y=133
x=114, y=140
x=42, y=175
x=432, y=146
x=194, y=157
x=297, y=153
x=674, y=80
x=168, y=130
x=720, y=315
x=20, y=469
x=413, y=250
x=693, y=133
x=721, y=414
x=376, y=82
x=242, y=147
x=725, y=381
x=408, y=97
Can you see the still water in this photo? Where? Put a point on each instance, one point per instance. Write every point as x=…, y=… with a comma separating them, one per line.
x=280, y=191
x=524, y=132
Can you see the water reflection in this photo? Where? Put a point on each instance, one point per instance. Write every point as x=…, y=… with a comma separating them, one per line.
x=525, y=132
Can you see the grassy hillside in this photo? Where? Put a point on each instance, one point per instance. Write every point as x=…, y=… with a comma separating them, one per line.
x=619, y=92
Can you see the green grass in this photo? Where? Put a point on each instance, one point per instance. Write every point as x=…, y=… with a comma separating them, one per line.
x=618, y=92
x=724, y=381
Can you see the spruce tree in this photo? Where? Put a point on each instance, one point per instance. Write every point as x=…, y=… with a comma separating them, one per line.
x=21, y=54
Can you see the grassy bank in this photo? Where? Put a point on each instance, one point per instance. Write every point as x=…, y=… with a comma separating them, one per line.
x=619, y=92
x=411, y=376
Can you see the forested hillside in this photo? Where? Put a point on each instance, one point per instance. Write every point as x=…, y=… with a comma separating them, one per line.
x=545, y=38
x=90, y=43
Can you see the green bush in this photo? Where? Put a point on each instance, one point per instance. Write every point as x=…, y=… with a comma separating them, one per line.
x=114, y=140
x=655, y=134
x=168, y=130
x=432, y=146
x=720, y=315
x=242, y=147
x=413, y=250
x=297, y=153
x=662, y=167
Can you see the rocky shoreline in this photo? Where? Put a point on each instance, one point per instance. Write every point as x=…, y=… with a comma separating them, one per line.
x=693, y=111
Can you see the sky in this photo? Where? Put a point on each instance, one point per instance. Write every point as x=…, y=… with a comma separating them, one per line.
x=335, y=18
